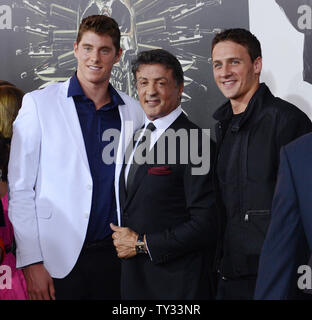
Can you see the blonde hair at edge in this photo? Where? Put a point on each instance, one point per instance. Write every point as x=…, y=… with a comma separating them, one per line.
x=10, y=102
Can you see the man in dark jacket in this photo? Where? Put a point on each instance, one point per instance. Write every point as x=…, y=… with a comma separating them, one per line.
x=252, y=127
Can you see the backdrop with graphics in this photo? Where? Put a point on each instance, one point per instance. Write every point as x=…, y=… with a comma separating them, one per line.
x=284, y=30
x=37, y=41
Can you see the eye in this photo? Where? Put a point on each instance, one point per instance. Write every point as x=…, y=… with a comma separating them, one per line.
x=104, y=51
x=235, y=62
x=217, y=65
x=162, y=82
x=87, y=49
x=141, y=83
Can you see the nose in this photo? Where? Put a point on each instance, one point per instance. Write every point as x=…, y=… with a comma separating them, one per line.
x=151, y=89
x=226, y=71
x=94, y=56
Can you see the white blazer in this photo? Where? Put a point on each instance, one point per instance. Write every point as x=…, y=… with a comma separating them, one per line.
x=49, y=177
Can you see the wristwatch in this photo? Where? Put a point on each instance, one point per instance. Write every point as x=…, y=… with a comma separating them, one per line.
x=140, y=244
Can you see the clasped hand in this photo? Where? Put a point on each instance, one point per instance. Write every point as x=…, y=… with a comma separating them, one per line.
x=124, y=240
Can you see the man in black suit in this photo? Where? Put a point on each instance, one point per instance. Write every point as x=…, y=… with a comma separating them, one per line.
x=168, y=234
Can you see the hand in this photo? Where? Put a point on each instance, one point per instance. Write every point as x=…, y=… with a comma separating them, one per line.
x=39, y=283
x=124, y=240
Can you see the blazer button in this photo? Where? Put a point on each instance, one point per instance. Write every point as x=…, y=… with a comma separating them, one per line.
x=87, y=215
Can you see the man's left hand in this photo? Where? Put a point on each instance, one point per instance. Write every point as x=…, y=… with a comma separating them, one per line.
x=124, y=240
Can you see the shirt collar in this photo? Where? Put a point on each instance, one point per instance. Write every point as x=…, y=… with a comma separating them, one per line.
x=75, y=89
x=165, y=122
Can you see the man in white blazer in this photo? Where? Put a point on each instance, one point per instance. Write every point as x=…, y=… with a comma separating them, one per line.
x=62, y=190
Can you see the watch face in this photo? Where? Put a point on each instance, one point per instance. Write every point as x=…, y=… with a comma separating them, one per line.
x=139, y=247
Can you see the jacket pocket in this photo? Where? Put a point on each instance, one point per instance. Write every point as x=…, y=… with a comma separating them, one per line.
x=256, y=226
x=160, y=171
x=44, y=212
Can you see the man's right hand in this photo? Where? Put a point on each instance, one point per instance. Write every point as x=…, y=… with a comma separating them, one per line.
x=39, y=283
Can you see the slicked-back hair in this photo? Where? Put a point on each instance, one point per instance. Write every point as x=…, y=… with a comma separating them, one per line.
x=159, y=56
x=242, y=37
x=101, y=25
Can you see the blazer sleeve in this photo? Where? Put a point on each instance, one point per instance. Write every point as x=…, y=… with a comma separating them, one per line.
x=200, y=231
x=285, y=241
x=22, y=175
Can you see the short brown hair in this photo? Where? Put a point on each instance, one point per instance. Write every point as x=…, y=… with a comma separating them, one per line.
x=10, y=102
x=242, y=37
x=101, y=25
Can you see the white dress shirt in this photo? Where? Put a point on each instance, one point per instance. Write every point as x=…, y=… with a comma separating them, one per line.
x=161, y=124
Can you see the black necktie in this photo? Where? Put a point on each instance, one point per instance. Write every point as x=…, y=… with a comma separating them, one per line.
x=134, y=166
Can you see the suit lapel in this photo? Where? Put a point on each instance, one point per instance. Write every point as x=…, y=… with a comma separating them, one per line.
x=139, y=175
x=142, y=171
x=122, y=188
x=69, y=112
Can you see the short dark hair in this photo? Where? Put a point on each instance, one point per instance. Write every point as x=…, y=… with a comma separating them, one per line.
x=242, y=37
x=159, y=56
x=101, y=25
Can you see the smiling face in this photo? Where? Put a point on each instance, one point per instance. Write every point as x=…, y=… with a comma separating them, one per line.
x=158, y=91
x=96, y=56
x=235, y=74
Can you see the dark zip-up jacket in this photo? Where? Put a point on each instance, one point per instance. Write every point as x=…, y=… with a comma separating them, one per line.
x=268, y=123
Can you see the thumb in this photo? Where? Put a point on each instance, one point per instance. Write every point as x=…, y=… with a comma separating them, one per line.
x=114, y=227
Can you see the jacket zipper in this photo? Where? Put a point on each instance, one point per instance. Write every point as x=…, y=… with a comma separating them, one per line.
x=263, y=212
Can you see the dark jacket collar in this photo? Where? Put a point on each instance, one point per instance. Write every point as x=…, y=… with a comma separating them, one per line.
x=225, y=113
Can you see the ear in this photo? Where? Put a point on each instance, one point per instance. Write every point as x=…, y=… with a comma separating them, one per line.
x=257, y=66
x=75, y=48
x=181, y=87
x=118, y=55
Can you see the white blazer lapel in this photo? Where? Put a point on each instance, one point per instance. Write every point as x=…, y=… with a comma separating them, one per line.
x=69, y=112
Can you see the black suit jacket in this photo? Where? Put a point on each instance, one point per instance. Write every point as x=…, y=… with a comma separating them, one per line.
x=176, y=211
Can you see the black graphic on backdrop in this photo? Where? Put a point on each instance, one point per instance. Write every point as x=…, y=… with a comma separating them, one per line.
x=299, y=13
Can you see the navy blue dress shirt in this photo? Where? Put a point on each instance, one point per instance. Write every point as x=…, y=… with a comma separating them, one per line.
x=93, y=124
